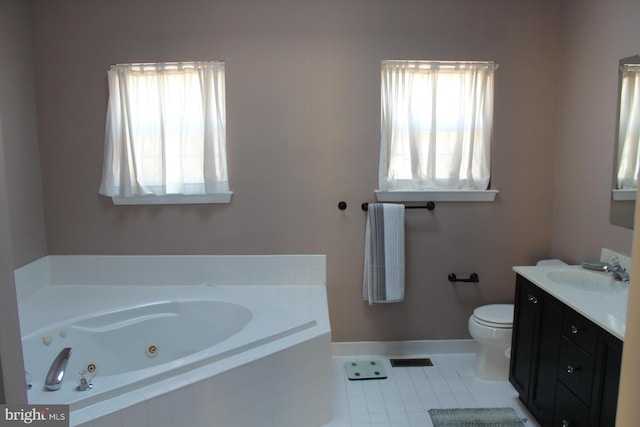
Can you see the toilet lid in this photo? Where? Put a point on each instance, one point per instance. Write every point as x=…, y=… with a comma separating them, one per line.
x=499, y=315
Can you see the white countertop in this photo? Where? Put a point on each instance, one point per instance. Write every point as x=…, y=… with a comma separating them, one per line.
x=607, y=309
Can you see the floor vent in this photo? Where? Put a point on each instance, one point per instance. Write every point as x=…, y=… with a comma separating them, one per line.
x=407, y=363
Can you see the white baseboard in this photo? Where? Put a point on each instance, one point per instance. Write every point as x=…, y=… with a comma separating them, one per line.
x=403, y=348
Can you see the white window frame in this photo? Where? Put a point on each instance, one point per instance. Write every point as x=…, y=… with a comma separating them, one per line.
x=404, y=194
x=165, y=135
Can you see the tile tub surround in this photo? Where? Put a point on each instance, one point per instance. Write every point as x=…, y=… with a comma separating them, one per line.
x=170, y=270
x=271, y=385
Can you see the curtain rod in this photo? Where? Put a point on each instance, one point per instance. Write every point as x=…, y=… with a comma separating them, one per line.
x=142, y=64
x=445, y=63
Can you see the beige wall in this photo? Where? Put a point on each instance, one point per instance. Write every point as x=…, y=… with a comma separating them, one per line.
x=22, y=237
x=597, y=35
x=303, y=115
x=12, y=380
x=18, y=110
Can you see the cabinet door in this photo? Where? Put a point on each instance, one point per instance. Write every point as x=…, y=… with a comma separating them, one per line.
x=542, y=396
x=525, y=330
x=610, y=351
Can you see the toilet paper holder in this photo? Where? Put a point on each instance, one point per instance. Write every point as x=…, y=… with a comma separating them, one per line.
x=473, y=278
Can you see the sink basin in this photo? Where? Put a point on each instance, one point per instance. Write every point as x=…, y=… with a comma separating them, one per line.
x=583, y=280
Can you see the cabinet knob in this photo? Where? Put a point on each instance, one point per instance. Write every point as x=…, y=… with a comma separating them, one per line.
x=575, y=330
x=532, y=299
x=572, y=369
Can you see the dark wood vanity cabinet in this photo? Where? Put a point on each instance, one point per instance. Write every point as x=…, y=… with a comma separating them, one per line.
x=565, y=368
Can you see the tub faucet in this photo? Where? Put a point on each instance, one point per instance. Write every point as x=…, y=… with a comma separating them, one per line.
x=614, y=267
x=56, y=371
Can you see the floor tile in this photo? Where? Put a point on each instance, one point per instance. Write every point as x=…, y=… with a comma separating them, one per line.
x=405, y=396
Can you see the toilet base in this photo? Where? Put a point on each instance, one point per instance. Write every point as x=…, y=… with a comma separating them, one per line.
x=491, y=364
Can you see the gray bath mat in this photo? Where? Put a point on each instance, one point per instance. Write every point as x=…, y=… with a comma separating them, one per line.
x=475, y=417
x=365, y=370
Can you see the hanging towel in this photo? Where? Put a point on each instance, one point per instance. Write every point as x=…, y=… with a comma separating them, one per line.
x=384, y=254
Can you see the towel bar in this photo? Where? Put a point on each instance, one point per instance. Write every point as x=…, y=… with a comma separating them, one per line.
x=472, y=279
x=430, y=206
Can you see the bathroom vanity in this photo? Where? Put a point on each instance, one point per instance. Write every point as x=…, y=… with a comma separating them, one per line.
x=567, y=344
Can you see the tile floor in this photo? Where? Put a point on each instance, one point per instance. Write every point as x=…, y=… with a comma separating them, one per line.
x=403, y=398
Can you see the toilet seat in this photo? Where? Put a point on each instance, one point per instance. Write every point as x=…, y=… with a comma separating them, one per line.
x=495, y=315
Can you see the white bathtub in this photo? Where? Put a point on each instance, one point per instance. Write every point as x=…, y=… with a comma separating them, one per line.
x=199, y=332
x=189, y=326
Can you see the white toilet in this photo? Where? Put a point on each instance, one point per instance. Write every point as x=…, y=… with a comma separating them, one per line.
x=491, y=326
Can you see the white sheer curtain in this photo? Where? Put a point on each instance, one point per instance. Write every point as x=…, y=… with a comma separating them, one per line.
x=629, y=130
x=165, y=130
x=436, y=125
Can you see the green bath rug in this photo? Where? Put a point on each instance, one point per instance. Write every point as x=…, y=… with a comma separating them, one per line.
x=475, y=417
x=365, y=370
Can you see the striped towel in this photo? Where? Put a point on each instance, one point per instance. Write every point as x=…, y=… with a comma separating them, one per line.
x=384, y=254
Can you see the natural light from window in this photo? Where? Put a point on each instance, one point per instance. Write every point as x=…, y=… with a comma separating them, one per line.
x=436, y=125
x=629, y=128
x=165, y=131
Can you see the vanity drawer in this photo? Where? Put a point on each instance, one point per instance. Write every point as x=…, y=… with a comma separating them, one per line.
x=580, y=331
x=569, y=410
x=575, y=370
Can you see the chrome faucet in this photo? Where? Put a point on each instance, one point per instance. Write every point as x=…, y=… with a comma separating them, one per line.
x=56, y=371
x=614, y=267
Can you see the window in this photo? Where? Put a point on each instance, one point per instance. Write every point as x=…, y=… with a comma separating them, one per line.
x=629, y=128
x=165, y=134
x=436, y=125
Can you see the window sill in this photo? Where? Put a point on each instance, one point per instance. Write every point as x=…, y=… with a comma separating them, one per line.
x=437, y=196
x=175, y=199
x=625, y=194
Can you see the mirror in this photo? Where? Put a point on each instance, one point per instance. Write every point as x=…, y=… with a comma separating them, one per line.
x=625, y=166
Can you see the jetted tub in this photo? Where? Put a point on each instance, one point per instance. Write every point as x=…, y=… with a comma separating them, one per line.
x=134, y=336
